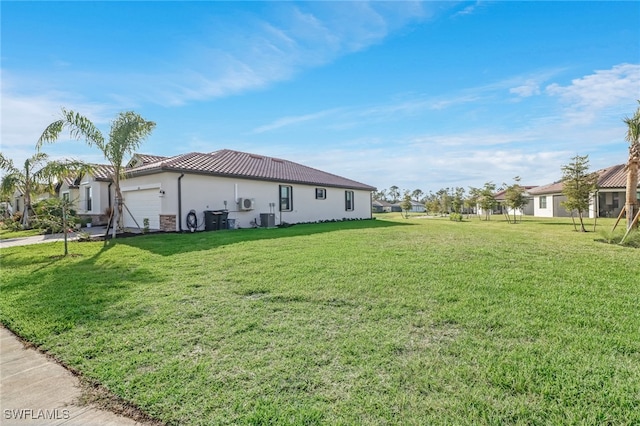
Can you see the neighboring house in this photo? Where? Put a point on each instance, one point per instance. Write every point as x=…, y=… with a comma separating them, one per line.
x=91, y=194
x=381, y=206
x=417, y=207
x=254, y=190
x=17, y=199
x=396, y=208
x=501, y=208
x=611, y=195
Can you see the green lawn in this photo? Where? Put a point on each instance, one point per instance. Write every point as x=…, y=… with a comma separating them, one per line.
x=5, y=234
x=392, y=321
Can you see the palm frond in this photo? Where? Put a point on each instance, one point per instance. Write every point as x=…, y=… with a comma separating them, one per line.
x=79, y=127
x=128, y=131
x=6, y=164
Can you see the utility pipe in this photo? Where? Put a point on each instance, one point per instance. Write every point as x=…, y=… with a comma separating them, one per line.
x=180, y=202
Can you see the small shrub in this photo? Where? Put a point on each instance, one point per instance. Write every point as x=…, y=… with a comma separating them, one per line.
x=610, y=237
x=456, y=217
x=48, y=216
x=10, y=224
x=145, y=225
x=633, y=239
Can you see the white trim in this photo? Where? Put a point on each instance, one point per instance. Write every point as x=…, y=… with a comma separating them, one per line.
x=141, y=187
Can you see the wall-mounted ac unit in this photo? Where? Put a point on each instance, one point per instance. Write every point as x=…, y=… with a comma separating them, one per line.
x=246, y=203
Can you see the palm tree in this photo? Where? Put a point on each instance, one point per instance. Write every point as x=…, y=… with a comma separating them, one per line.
x=127, y=132
x=633, y=137
x=37, y=176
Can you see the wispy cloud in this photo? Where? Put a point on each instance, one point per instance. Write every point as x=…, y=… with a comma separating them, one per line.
x=25, y=116
x=271, y=49
x=587, y=96
x=294, y=120
x=529, y=88
x=470, y=9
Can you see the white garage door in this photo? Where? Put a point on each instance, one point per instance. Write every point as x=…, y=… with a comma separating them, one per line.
x=142, y=203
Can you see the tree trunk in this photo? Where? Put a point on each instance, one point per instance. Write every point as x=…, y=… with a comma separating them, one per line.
x=631, y=204
x=582, y=228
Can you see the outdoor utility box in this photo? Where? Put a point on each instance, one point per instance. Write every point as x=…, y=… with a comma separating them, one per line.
x=267, y=220
x=214, y=220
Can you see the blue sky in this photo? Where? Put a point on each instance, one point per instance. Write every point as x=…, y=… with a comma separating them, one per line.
x=415, y=94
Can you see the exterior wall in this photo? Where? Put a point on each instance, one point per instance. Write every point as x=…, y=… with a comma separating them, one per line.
x=607, y=203
x=202, y=192
x=74, y=195
x=17, y=202
x=99, y=198
x=539, y=211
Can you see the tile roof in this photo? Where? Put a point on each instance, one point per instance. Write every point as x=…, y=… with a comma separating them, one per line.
x=613, y=177
x=500, y=195
x=103, y=172
x=610, y=177
x=231, y=163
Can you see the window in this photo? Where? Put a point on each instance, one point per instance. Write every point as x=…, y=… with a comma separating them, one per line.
x=286, y=198
x=17, y=205
x=65, y=196
x=88, y=196
x=543, y=202
x=348, y=200
x=615, y=197
x=321, y=194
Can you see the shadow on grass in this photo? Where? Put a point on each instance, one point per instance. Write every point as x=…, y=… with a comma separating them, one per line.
x=60, y=295
x=175, y=243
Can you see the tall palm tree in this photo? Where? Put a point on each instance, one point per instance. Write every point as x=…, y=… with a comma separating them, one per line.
x=127, y=132
x=633, y=137
x=38, y=175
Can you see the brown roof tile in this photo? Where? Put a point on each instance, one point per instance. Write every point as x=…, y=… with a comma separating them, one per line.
x=610, y=177
x=103, y=172
x=227, y=162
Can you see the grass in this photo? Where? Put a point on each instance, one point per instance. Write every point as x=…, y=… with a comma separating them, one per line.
x=6, y=234
x=393, y=321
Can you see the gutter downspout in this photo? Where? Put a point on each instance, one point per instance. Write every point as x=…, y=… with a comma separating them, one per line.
x=180, y=203
x=109, y=193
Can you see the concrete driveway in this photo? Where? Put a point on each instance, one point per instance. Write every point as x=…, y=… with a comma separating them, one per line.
x=49, y=238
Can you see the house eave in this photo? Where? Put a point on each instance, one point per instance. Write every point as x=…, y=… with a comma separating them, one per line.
x=164, y=169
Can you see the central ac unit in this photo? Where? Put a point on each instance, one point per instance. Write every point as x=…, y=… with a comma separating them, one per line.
x=246, y=203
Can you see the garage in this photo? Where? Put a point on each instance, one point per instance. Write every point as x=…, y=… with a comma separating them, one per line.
x=558, y=209
x=141, y=204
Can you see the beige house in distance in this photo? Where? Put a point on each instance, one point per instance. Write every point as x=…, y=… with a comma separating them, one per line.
x=607, y=202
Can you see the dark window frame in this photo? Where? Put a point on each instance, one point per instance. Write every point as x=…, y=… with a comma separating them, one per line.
x=88, y=193
x=321, y=194
x=542, y=202
x=349, y=201
x=286, y=199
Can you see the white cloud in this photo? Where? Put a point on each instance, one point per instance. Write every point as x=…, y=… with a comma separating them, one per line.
x=586, y=97
x=25, y=116
x=530, y=88
x=270, y=49
x=293, y=120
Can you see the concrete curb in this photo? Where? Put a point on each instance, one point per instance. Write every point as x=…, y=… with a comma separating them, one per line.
x=34, y=390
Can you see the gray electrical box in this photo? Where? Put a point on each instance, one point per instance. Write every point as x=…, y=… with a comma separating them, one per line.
x=267, y=220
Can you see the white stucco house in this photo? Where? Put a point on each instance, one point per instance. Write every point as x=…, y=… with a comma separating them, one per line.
x=607, y=201
x=91, y=194
x=251, y=190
